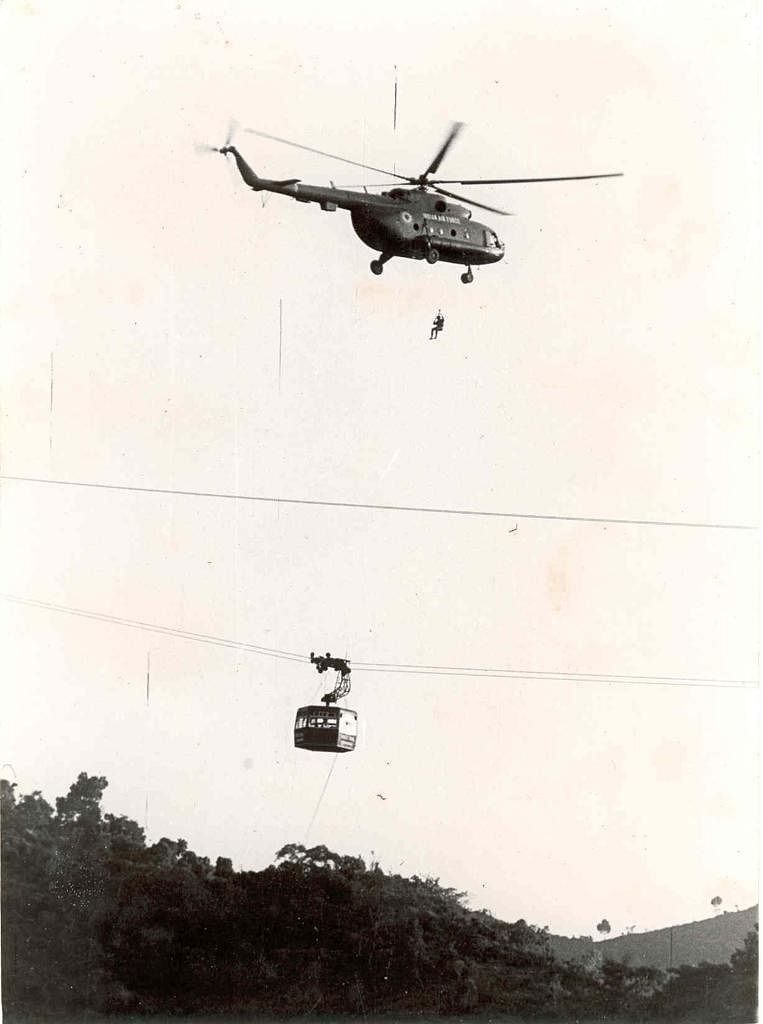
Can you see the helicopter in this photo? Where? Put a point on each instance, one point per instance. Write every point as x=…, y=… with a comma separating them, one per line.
x=412, y=222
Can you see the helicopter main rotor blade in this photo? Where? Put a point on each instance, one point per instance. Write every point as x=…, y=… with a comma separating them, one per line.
x=471, y=202
x=368, y=184
x=457, y=126
x=518, y=181
x=333, y=156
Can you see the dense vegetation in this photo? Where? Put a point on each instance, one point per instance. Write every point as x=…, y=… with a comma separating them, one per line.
x=95, y=920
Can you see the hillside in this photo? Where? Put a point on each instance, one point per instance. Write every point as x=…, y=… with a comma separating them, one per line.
x=711, y=940
x=95, y=920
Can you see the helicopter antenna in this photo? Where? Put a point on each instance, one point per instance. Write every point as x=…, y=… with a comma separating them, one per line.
x=394, y=124
x=394, y=108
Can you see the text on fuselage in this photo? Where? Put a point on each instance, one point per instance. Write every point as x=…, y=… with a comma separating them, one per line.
x=440, y=216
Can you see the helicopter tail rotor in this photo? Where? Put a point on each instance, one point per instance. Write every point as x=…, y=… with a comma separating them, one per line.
x=232, y=128
x=204, y=147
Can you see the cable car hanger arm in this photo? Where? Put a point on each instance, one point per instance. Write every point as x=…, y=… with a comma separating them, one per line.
x=323, y=662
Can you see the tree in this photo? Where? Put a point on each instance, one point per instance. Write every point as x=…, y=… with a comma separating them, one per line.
x=224, y=867
x=54, y=897
x=714, y=992
x=82, y=804
x=744, y=971
x=319, y=857
x=29, y=911
x=603, y=927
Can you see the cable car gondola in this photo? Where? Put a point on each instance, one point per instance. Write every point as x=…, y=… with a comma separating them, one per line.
x=329, y=728
x=326, y=728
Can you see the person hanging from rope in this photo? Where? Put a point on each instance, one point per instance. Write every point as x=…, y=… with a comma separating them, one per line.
x=437, y=325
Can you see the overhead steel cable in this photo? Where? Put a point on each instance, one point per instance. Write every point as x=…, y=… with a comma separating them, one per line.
x=423, y=509
x=433, y=670
x=380, y=666
x=572, y=677
x=185, y=634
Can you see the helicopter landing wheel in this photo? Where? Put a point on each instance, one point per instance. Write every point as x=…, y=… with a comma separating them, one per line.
x=432, y=256
x=376, y=267
x=468, y=276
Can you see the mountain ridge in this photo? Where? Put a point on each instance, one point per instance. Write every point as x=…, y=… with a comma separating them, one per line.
x=709, y=940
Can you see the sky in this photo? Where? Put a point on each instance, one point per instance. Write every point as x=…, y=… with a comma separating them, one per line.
x=605, y=369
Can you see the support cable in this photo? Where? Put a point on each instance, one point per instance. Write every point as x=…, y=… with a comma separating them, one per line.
x=398, y=669
x=423, y=509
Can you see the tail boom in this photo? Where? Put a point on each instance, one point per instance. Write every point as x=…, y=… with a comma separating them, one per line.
x=244, y=169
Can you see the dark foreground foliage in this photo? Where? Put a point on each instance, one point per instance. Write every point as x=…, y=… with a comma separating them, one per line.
x=94, y=921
